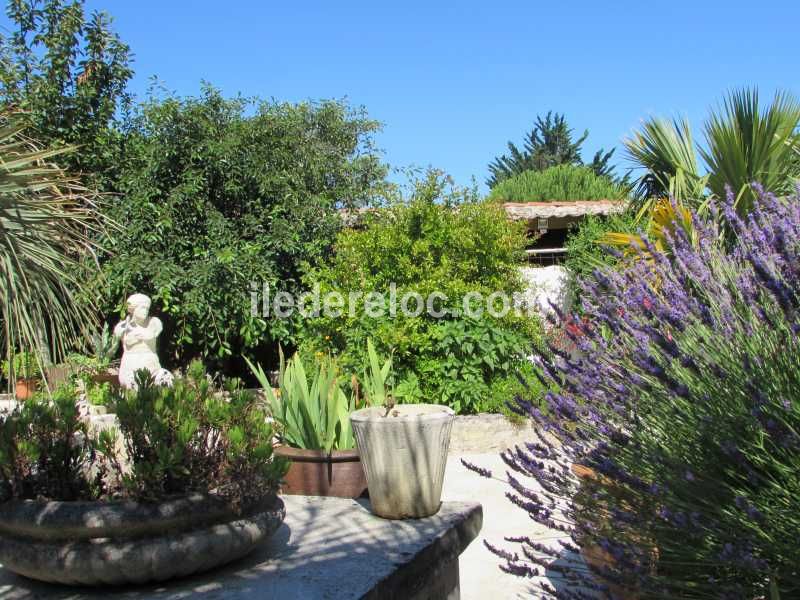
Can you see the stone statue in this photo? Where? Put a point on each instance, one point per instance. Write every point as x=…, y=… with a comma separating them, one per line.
x=138, y=333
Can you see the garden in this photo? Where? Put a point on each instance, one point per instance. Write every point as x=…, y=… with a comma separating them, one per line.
x=213, y=307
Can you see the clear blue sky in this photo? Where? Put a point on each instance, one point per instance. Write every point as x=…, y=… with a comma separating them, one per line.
x=453, y=81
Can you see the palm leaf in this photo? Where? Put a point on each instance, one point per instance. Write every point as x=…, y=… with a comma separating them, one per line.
x=48, y=224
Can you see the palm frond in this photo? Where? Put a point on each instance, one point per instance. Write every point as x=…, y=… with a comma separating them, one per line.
x=48, y=224
x=747, y=145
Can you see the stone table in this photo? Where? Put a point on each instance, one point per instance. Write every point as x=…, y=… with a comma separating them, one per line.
x=327, y=548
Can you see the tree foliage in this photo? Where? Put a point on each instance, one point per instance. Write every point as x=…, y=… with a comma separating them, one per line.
x=68, y=71
x=214, y=200
x=548, y=144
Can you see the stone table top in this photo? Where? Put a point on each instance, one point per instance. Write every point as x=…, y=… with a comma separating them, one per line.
x=327, y=548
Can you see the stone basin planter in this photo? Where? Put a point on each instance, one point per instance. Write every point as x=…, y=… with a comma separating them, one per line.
x=404, y=455
x=114, y=543
x=318, y=473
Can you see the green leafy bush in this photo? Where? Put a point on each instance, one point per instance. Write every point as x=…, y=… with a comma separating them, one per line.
x=560, y=183
x=503, y=389
x=214, y=199
x=189, y=438
x=46, y=451
x=584, y=252
x=442, y=240
x=22, y=365
x=313, y=414
x=171, y=441
x=100, y=394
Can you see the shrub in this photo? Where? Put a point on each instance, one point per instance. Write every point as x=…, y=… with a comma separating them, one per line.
x=23, y=365
x=560, y=183
x=174, y=441
x=445, y=241
x=585, y=251
x=46, y=450
x=213, y=200
x=684, y=406
x=189, y=438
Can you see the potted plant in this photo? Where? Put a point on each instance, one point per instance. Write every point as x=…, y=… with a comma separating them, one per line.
x=24, y=370
x=314, y=429
x=403, y=447
x=186, y=483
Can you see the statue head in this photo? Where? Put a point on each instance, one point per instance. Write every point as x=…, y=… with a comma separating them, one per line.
x=138, y=307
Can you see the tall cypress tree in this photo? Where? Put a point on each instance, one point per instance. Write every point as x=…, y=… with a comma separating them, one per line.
x=548, y=144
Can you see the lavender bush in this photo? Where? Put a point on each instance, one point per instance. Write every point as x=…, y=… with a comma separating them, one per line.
x=682, y=411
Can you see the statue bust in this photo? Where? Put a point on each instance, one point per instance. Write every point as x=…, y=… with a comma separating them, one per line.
x=138, y=333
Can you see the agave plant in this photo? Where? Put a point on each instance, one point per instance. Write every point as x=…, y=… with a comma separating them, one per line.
x=743, y=144
x=313, y=414
x=48, y=222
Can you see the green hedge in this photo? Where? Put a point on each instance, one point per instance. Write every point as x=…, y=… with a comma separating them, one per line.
x=560, y=183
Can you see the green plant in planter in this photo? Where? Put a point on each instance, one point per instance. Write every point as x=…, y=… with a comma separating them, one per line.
x=377, y=380
x=313, y=413
x=190, y=438
x=22, y=365
x=104, y=347
x=46, y=451
x=99, y=394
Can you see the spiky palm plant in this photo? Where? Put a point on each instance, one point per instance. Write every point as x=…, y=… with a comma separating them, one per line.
x=743, y=144
x=48, y=222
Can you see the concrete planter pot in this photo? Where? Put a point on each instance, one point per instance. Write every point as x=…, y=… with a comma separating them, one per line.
x=115, y=543
x=318, y=473
x=404, y=456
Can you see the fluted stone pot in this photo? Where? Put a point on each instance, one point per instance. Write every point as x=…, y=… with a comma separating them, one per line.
x=114, y=543
x=404, y=455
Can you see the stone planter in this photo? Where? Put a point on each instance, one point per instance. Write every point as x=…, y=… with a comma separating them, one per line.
x=404, y=456
x=317, y=473
x=113, y=543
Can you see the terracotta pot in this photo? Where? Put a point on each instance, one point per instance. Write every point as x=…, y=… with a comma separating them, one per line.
x=26, y=388
x=596, y=558
x=317, y=473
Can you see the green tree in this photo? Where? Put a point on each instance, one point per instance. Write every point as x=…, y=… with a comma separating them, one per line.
x=68, y=72
x=214, y=198
x=548, y=144
x=444, y=241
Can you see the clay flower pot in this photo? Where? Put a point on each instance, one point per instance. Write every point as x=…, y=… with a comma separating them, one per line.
x=317, y=473
x=114, y=543
x=26, y=388
x=404, y=456
x=599, y=560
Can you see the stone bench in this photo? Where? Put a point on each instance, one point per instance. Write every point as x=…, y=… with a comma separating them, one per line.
x=327, y=548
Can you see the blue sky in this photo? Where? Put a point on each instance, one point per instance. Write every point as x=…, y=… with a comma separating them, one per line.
x=452, y=82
